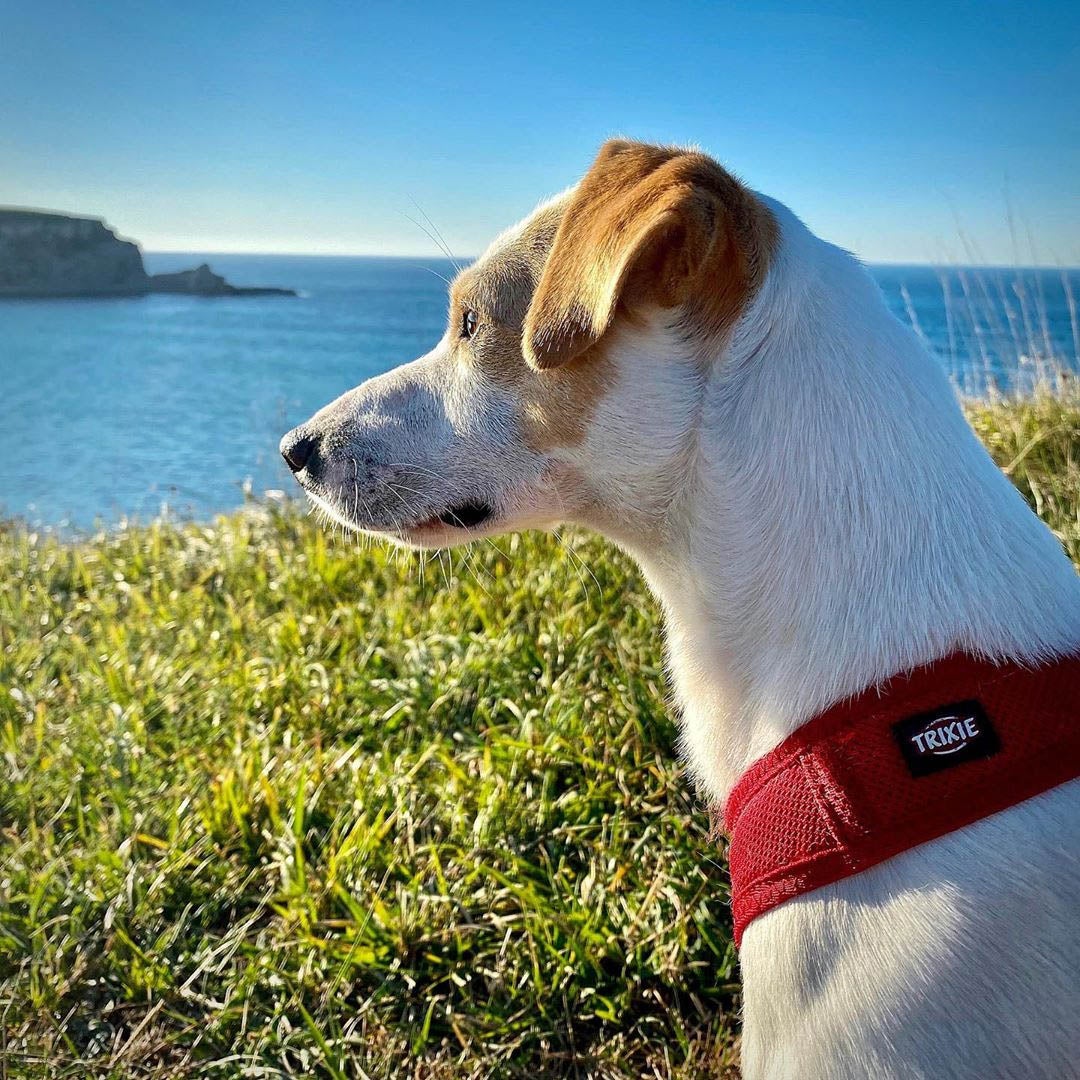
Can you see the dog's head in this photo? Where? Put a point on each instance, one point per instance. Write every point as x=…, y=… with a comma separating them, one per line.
x=567, y=382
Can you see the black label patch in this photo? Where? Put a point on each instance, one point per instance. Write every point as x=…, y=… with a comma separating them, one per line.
x=936, y=740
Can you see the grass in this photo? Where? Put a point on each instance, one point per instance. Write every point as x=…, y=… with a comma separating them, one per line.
x=274, y=806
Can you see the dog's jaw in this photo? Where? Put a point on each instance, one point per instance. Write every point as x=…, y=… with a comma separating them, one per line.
x=535, y=503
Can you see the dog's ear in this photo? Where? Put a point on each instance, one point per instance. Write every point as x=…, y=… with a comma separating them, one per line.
x=644, y=227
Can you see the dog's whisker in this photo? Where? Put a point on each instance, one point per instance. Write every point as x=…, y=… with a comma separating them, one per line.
x=469, y=557
x=573, y=563
x=438, y=235
x=572, y=551
x=427, y=232
x=574, y=557
x=417, y=468
x=410, y=509
x=435, y=273
x=442, y=566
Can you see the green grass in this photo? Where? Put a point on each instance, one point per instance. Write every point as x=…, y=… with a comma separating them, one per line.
x=271, y=804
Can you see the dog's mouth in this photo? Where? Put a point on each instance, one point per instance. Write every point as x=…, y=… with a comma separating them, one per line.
x=462, y=516
x=467, y=515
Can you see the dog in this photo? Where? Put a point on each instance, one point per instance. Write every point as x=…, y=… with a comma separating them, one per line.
x=670, y=358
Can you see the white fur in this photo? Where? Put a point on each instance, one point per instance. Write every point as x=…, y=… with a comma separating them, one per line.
x=814, y=514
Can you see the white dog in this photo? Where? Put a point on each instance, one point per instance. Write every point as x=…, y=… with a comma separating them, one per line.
x=665, y=356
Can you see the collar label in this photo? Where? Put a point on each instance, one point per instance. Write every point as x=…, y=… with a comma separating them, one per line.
x=947, y=736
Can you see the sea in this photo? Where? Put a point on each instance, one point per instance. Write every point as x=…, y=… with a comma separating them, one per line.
x=121, y=410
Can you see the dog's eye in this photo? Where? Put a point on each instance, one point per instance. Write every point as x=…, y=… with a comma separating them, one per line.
x=469, y=322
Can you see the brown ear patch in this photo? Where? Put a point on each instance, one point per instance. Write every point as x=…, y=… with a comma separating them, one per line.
x=648, y=226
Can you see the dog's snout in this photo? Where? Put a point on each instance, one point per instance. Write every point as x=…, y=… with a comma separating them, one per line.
x=297, y=448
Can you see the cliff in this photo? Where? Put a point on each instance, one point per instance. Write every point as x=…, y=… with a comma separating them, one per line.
x=45, y=254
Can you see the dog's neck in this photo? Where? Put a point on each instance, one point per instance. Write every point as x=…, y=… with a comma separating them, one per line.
x=841, y=522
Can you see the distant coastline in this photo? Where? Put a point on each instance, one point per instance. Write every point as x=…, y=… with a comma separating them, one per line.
x=46, y=254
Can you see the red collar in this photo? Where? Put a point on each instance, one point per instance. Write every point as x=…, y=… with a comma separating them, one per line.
x=930, y=751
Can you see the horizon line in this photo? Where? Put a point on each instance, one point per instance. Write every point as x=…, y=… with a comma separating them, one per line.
x=466, y=260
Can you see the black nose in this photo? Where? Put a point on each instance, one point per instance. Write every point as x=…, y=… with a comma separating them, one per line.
x=297, y=447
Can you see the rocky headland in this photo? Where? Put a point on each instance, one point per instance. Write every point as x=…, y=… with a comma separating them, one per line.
x=44, y=254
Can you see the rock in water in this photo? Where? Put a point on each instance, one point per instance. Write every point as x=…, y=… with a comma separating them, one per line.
x=202, y=281
x=44, y=254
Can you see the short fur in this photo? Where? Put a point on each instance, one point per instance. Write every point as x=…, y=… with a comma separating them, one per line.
x=666, y=357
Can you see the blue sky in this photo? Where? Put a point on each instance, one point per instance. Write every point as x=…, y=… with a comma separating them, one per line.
x=902, y=131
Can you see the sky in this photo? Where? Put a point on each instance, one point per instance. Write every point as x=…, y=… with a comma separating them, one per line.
x=906, y=132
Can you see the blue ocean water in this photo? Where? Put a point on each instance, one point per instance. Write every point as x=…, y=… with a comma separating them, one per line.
x=114, y=409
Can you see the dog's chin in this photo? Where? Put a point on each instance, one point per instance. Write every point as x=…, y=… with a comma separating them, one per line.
x=458, y=523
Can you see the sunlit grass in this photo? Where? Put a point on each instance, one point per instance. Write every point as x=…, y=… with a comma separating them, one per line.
x=273, y=804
